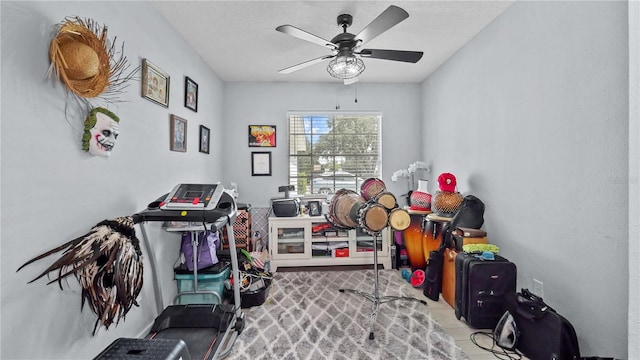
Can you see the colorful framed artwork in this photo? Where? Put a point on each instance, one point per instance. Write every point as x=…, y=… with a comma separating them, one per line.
x=155, y=84
x=262, y=136
x=190, y=94
x=204, y=139
x=260, y=163
x=178, y=133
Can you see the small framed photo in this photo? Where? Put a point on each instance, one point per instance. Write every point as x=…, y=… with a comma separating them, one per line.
x=204, y=139
x=314, y=208
x=190, y=94
x=178, y=133
x=262, y=136
x=260, y=163
x=155, y=84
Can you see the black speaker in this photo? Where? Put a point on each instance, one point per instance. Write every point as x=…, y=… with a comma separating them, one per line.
x=285, y=207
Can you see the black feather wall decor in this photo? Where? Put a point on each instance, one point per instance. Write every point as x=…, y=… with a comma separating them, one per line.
x=107, y=262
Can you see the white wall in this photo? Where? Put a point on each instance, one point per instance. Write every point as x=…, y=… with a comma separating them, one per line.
x=268, y=103
x=532, y=116
x=52, y=191
x=634, y=180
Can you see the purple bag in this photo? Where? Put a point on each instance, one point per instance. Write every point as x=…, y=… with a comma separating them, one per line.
x=206, y=253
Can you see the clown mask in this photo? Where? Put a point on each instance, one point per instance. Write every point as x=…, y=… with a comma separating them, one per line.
x=100, y=132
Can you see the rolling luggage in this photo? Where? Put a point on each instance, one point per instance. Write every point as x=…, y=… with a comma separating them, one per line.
x=449, y=267
x=481, y=286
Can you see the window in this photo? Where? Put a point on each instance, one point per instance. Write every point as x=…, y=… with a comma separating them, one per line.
x=332, y=151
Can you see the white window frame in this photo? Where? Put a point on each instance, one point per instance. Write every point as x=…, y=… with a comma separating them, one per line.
x=333, y=171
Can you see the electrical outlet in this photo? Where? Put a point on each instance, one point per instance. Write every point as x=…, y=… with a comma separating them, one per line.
x=537, y=288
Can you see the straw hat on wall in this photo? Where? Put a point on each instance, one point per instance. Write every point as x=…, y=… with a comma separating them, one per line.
x=83, y=60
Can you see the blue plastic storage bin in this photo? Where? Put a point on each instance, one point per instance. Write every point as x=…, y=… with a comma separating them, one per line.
x=209, y=279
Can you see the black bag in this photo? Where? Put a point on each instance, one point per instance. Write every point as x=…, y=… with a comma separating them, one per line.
x=543, y=333
x=470, y=214
x=433, y=275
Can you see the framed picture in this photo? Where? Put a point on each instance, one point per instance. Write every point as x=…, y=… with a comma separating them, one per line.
x=155, y=84
x=260, y=163
x=314, y=208
x=262, y=136
x=190, y=94
x=204, y=139
x=178, y=134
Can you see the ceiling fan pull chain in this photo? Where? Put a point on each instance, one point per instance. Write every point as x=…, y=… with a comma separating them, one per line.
x=356, y=87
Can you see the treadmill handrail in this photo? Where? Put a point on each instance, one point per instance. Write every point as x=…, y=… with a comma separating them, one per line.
x=226, y=207
x=224, y=214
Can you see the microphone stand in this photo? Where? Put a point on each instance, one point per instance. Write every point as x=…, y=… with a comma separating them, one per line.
x=375, y=297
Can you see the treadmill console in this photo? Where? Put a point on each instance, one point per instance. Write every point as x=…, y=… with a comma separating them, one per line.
x=193, y=197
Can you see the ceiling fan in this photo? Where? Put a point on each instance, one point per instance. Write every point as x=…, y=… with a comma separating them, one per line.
x=346, y=63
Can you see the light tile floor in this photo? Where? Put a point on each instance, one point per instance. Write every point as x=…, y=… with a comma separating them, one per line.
x=444, y=314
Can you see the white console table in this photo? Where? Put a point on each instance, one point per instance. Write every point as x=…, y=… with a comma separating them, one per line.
x=292, y=242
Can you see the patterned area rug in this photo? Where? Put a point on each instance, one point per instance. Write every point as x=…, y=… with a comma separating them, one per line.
x=306, y=317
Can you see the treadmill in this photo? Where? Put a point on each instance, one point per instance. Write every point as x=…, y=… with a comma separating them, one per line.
x=207, y=331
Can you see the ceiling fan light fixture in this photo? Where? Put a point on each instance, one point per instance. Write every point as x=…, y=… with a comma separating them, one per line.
x=344, y=63
x=345, y=67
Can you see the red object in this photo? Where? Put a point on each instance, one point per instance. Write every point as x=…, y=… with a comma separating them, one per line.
x=447, y=182
x=320, y=227
x=342, y=252
x=196, y=201
x=420, y=201
x=417, y=278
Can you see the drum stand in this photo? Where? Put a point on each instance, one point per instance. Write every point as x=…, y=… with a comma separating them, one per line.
x=375, y=297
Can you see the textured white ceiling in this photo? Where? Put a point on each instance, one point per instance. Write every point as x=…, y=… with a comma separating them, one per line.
x=239, y=41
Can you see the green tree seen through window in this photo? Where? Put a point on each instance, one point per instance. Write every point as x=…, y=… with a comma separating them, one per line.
x=333, y=151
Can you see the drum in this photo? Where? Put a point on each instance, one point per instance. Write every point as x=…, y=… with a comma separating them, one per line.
x=372, y=187
x=386, y=199
x=446, y=203
x=433, y=233
x=344, y=208
x=399, y=219
x=373, y=218
x=413, y=242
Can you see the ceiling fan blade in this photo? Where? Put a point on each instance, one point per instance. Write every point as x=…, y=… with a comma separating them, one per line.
x=397, y=55
x=385, y=21
x=303, y=65
x=301, y=34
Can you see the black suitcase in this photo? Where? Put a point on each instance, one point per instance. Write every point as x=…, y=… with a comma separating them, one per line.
x=481, y=286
